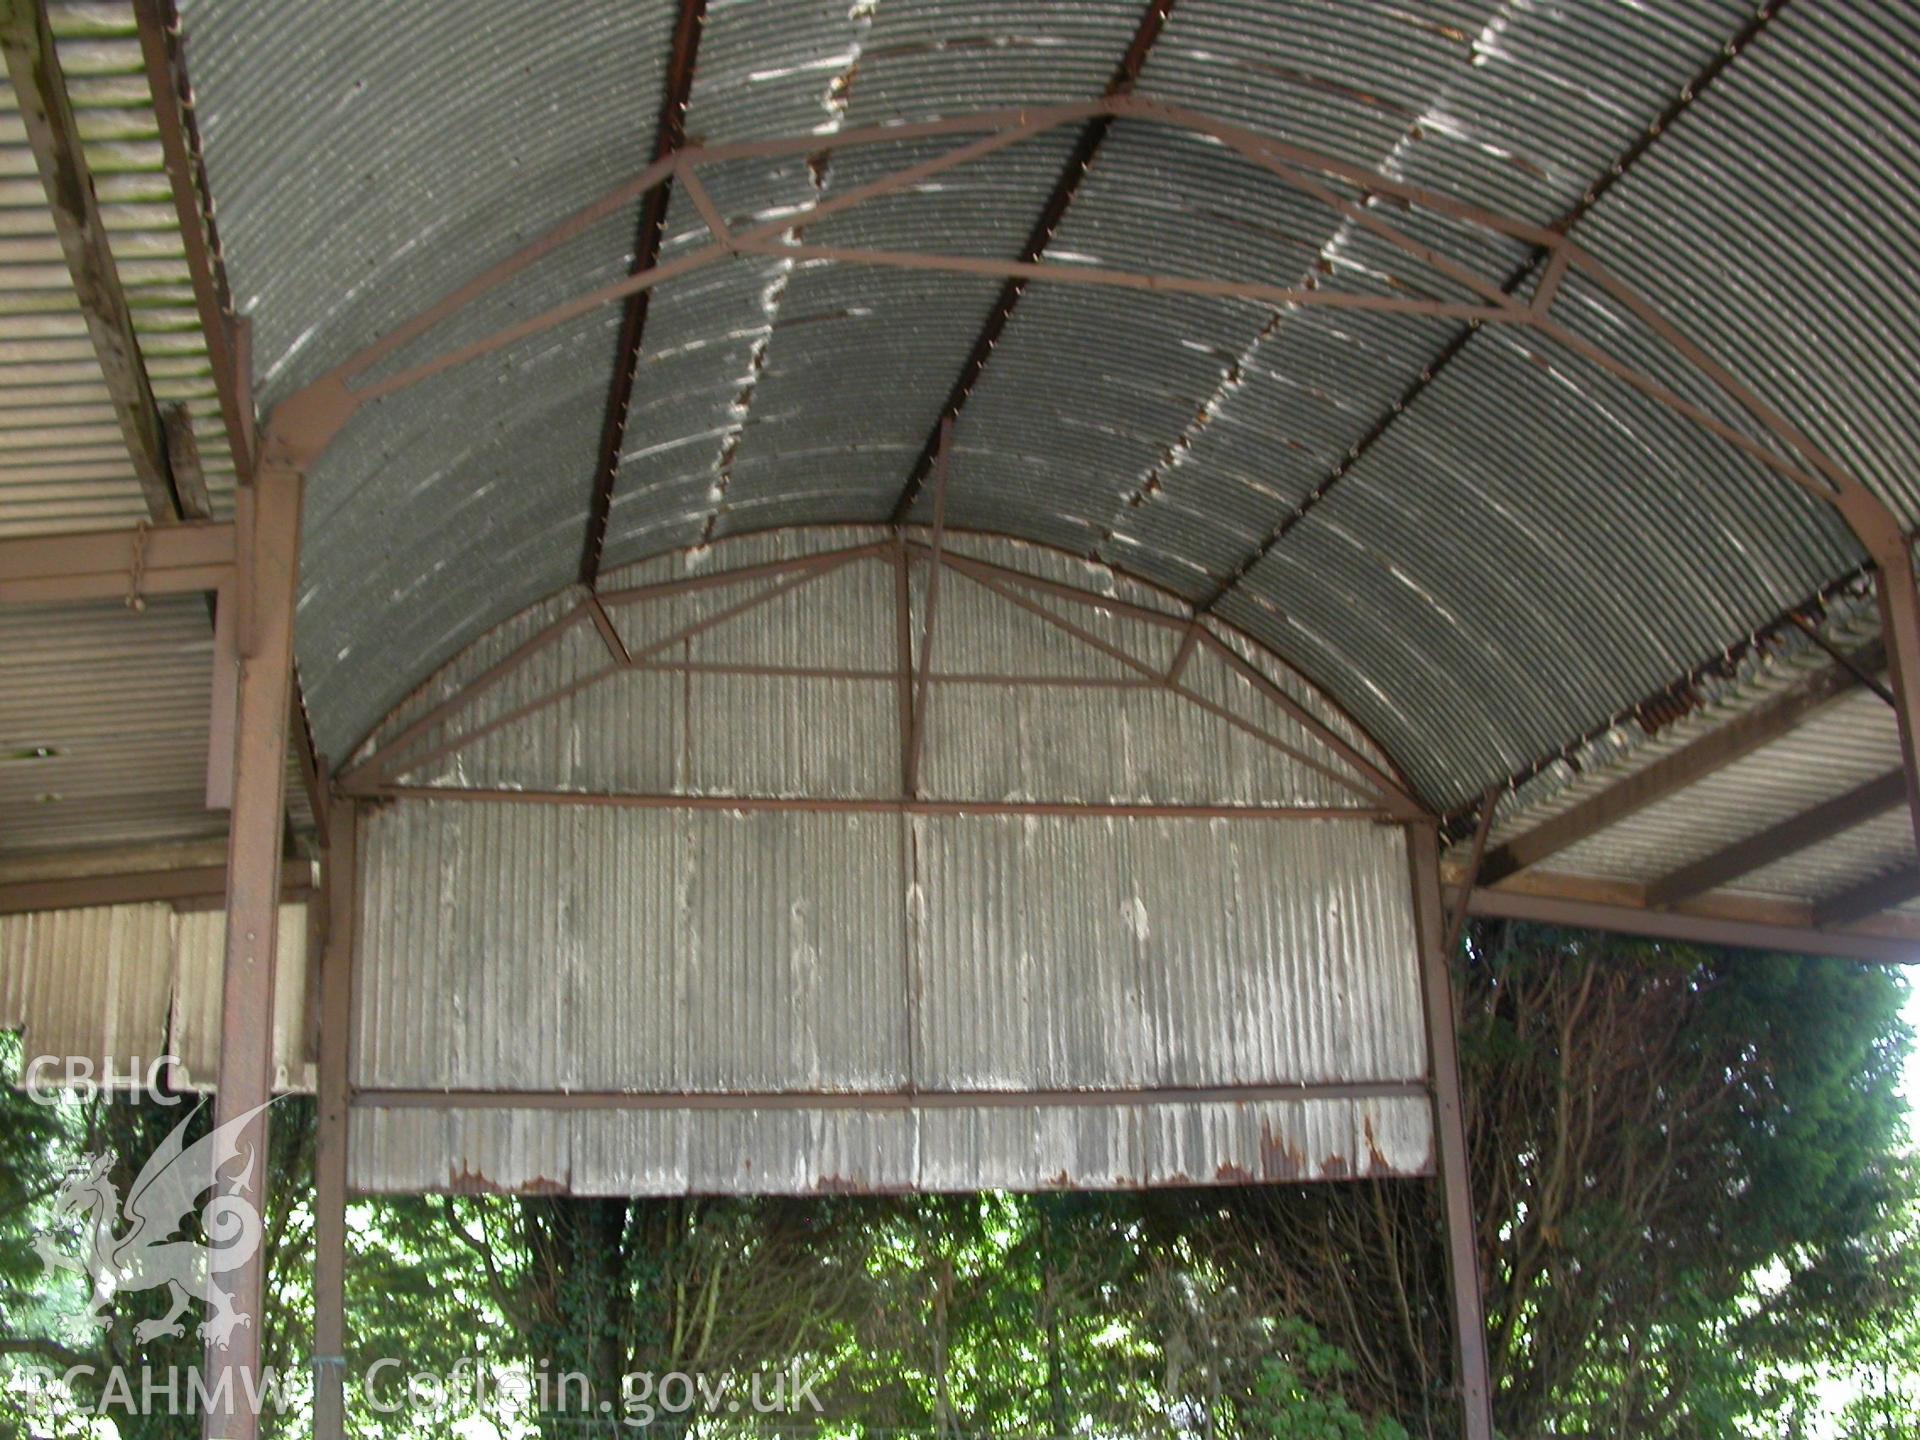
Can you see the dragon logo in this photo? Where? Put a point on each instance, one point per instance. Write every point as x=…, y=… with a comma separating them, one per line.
x=139, y=1246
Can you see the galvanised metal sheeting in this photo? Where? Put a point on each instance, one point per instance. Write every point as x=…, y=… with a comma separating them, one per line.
x=859, y=361
x=119, y=702
x=91, y=984
x=1059, y=954
x=126, y=985
x=410, y=1151
x=368, y=157
x=199, y=957
x=494, y=509
x=837, y=735
x=1880, y=846
x=1168, y=436
x=1552, y=95
x=1347, y=79
x=1844, y=744
x=1679, y=563
x=536, y=947
x=1763, y=673
x=543, y=948
x=63, y=456
x=1795, y=268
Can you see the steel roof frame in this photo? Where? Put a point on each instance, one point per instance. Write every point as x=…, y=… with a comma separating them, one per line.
x=1378, y=794
x=300, y=429
x=46, y=112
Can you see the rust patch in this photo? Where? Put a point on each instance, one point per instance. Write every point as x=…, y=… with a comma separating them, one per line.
x=1278, y=1159
x=841, y=1185
x=463, y=1181
x=1374, y=1158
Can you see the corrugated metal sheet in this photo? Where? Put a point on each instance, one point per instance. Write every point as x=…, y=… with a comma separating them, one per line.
x=1842, y=745
x=812, y=1152
x=103, y=725
x=1058, y=954
x=125, y=985
x=63, y=458
x=119, y=701
x=541, y=948
x=1168, y=436
x=1846, y=744
x=1796, y=269
x=199, y=951
x=90, y=984
x=545, y=948
x=817, y=385
x=836, y=736
x=465, y=498
x=1671, y=570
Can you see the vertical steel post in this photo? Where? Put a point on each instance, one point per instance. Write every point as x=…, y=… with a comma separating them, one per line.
x=268, y=548
x=1900, y=633
x=1450, y=1134
x=330, y=1148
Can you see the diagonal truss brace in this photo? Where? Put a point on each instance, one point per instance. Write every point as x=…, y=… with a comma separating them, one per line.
x=434, y=734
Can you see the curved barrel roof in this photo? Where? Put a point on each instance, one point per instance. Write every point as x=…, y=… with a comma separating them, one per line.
x=1477, y=541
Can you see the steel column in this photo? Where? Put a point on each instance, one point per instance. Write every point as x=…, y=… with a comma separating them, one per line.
x=1900, y=636
x=269, y=512
x=1450, y=1135
x=330, y=1148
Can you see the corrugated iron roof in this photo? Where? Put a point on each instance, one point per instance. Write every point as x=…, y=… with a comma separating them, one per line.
x=1526, y=548
x=63, y=458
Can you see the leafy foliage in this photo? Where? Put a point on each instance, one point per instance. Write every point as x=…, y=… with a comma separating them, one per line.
x=1695, y=1220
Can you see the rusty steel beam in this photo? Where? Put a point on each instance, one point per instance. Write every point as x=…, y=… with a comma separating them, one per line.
x=187, y=888
x=1457, y=914
x=1900, y=629
x=661, y=589
x=269, y=557
x=1383, y=777
x=1670, y=774
x=610, y=637
x=183, y=460
x=917, y=729
x=40, y=89
x=1092, y=135
x=903, y=656
x=1471, y=1370
x=669, y=132
x=116, y=564
x=160, y=49
x=903, y=1099
x=1839, y=657
x=804, y=805
x=1869, y=898
x=372, y=771
x=1692, y=928
x=340, y=871
x=1157, y=282
x=1192, y=634
x=1776, y=842
x=375, y=764
x=1003, y=127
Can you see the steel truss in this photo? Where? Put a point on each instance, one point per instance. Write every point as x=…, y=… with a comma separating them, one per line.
x=300, y=429
x=435, y=734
